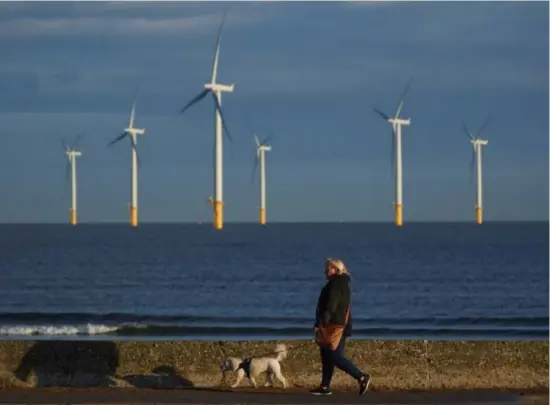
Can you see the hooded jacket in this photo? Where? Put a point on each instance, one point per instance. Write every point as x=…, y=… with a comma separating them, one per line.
x=333, y=302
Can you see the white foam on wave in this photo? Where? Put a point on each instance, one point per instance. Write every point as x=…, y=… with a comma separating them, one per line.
x=26, y=330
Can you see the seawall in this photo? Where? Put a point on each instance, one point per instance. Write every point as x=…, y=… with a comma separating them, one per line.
x=394, y=365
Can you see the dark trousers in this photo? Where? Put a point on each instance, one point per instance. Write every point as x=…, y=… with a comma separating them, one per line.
x=336, y=358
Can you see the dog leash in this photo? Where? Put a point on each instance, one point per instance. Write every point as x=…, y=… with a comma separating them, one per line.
x=289, y=348
x=224, y=355
x=300, y=345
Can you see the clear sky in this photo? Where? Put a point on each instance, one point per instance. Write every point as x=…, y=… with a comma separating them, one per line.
x=308, y=72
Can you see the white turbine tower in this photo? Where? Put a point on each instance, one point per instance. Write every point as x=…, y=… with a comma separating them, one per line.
x=131, y=132
x=72, y=154
x=216, y=90
x=261, y=149
x=397, y=122
x=477, y=144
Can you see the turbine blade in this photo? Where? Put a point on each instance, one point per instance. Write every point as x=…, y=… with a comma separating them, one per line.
x=219, y=108
x=118, y=138
x=77, y=140
x=133, y=113
x=383, y=115
x=217, y=53
x=483, y=127
x=196, y=99
x=64, y=144
x=467, y=131
x=400, y=106
x=264, y=142
x=257, y=140
x=134, y=146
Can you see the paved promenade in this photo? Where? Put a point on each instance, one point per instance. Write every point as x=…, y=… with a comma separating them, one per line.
x=261, y=396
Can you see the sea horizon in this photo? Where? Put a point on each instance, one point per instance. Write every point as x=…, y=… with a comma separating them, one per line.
x=380, y=222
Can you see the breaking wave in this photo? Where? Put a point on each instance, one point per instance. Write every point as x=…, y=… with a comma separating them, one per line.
x=124, y=325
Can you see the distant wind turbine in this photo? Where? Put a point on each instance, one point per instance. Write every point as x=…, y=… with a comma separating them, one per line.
x=396, y=123
x=131, y=132
x=216, y=90
x=261, y=149
x=477, y=144
x=72, y=154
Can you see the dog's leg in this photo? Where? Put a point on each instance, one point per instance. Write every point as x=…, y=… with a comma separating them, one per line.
x=240, y=375
x=269, y=380
x=253, y=381
x=281, y=378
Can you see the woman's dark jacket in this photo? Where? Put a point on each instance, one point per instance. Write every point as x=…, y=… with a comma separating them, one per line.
x=333, y=302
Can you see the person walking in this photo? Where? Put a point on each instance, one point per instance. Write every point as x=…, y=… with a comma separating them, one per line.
x=333, y=326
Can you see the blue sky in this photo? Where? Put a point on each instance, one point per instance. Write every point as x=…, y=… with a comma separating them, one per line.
x=308, y=72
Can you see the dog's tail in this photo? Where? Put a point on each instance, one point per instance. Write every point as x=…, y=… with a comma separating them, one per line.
x=280, y=352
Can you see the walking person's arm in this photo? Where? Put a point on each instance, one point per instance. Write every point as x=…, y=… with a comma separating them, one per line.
x=334, y=296
x=318, y=311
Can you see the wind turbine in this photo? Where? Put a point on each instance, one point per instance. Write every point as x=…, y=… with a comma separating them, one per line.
x=131, y=132
x=477, y=144
x=72, y=154
x=216, y=90
x=396, y=123
x=261, y=149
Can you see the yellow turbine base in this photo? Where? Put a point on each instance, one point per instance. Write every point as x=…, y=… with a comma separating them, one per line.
x=73, y=217
x=479, y=215
x=218, y=214
x=262, y=216
x=133, y=216
x=398, y=214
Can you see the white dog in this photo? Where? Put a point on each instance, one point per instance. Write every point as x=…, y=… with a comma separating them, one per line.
x=254, y=366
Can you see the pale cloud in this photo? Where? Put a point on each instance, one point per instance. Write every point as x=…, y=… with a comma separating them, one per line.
x=270, y=74
x=479, y=24
x=369, y=3
x=291, y=69
x=375, y=73
x=204, y=23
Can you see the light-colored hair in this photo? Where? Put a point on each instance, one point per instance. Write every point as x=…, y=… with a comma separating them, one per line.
x=338, y=265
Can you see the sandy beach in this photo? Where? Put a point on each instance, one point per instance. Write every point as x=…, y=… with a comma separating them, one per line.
x=180, y=372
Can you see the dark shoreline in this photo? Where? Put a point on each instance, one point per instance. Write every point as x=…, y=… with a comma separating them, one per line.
x=189, y=337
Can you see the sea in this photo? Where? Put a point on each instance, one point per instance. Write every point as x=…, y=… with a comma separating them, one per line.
x=432, y=281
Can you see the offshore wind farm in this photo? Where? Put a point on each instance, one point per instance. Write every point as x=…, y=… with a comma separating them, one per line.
x=216, y=89
x=414, y=131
